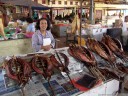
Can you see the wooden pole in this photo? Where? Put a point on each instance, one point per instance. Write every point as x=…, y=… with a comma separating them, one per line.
x=30, y=8
x=80, y=19
x=91, y=11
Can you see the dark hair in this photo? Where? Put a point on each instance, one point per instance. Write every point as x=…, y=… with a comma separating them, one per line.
x=38, y=24
x=29, y=20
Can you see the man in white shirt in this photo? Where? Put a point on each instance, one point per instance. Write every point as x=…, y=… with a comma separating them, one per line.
x=31, y=26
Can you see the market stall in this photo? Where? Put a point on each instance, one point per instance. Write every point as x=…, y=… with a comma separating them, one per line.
x=73, y=70
x=96, y=69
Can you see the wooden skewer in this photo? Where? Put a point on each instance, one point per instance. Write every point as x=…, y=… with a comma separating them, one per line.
x=53, y=94
x=22, y=91
x=64, y=66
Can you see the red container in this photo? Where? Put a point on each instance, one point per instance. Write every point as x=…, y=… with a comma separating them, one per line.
x=29, y=34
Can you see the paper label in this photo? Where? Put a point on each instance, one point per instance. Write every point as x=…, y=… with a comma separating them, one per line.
x=46, y=41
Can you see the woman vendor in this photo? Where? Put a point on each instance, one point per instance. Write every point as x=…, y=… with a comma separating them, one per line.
x=43, y=38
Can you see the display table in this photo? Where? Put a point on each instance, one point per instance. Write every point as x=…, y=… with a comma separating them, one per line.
x=15, y=47
x=38, y=85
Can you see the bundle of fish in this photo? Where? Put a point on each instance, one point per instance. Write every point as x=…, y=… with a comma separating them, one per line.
x=45, y=65
x=110, y=73
x=84, y=55
x=104, y=52
x=115, y=46
x=18, y=70
x=101, y=49
x=42, y=65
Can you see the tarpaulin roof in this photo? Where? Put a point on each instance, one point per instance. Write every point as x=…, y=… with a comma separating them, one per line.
x=31, y=3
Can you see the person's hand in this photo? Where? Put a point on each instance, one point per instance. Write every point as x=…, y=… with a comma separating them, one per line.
x=46, y=48
x=5, y=38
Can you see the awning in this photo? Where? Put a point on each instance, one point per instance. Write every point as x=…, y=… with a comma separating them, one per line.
x=31, y=3
x=40, y=8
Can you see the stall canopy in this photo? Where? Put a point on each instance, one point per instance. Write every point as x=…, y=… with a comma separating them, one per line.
x=31, y=3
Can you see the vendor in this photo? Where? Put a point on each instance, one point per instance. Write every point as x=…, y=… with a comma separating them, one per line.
x=31, y=26
x=42, y=38
x=2, y=34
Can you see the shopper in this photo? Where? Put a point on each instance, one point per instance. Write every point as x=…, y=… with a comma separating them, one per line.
x=42, y=38
x=31, y=26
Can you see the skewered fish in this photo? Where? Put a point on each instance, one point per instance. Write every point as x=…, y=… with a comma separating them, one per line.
x=18, y=70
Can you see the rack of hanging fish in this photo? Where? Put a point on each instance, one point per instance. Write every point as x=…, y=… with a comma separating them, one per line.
x=109, y=49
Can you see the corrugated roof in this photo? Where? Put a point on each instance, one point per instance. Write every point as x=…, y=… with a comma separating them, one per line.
x=25, y=3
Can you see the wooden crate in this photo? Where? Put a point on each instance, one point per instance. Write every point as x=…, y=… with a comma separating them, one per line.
x=126, y=85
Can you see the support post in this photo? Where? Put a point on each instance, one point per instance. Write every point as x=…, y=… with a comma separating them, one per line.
x=80, y=19
x=91, y=12
x=30, y=8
